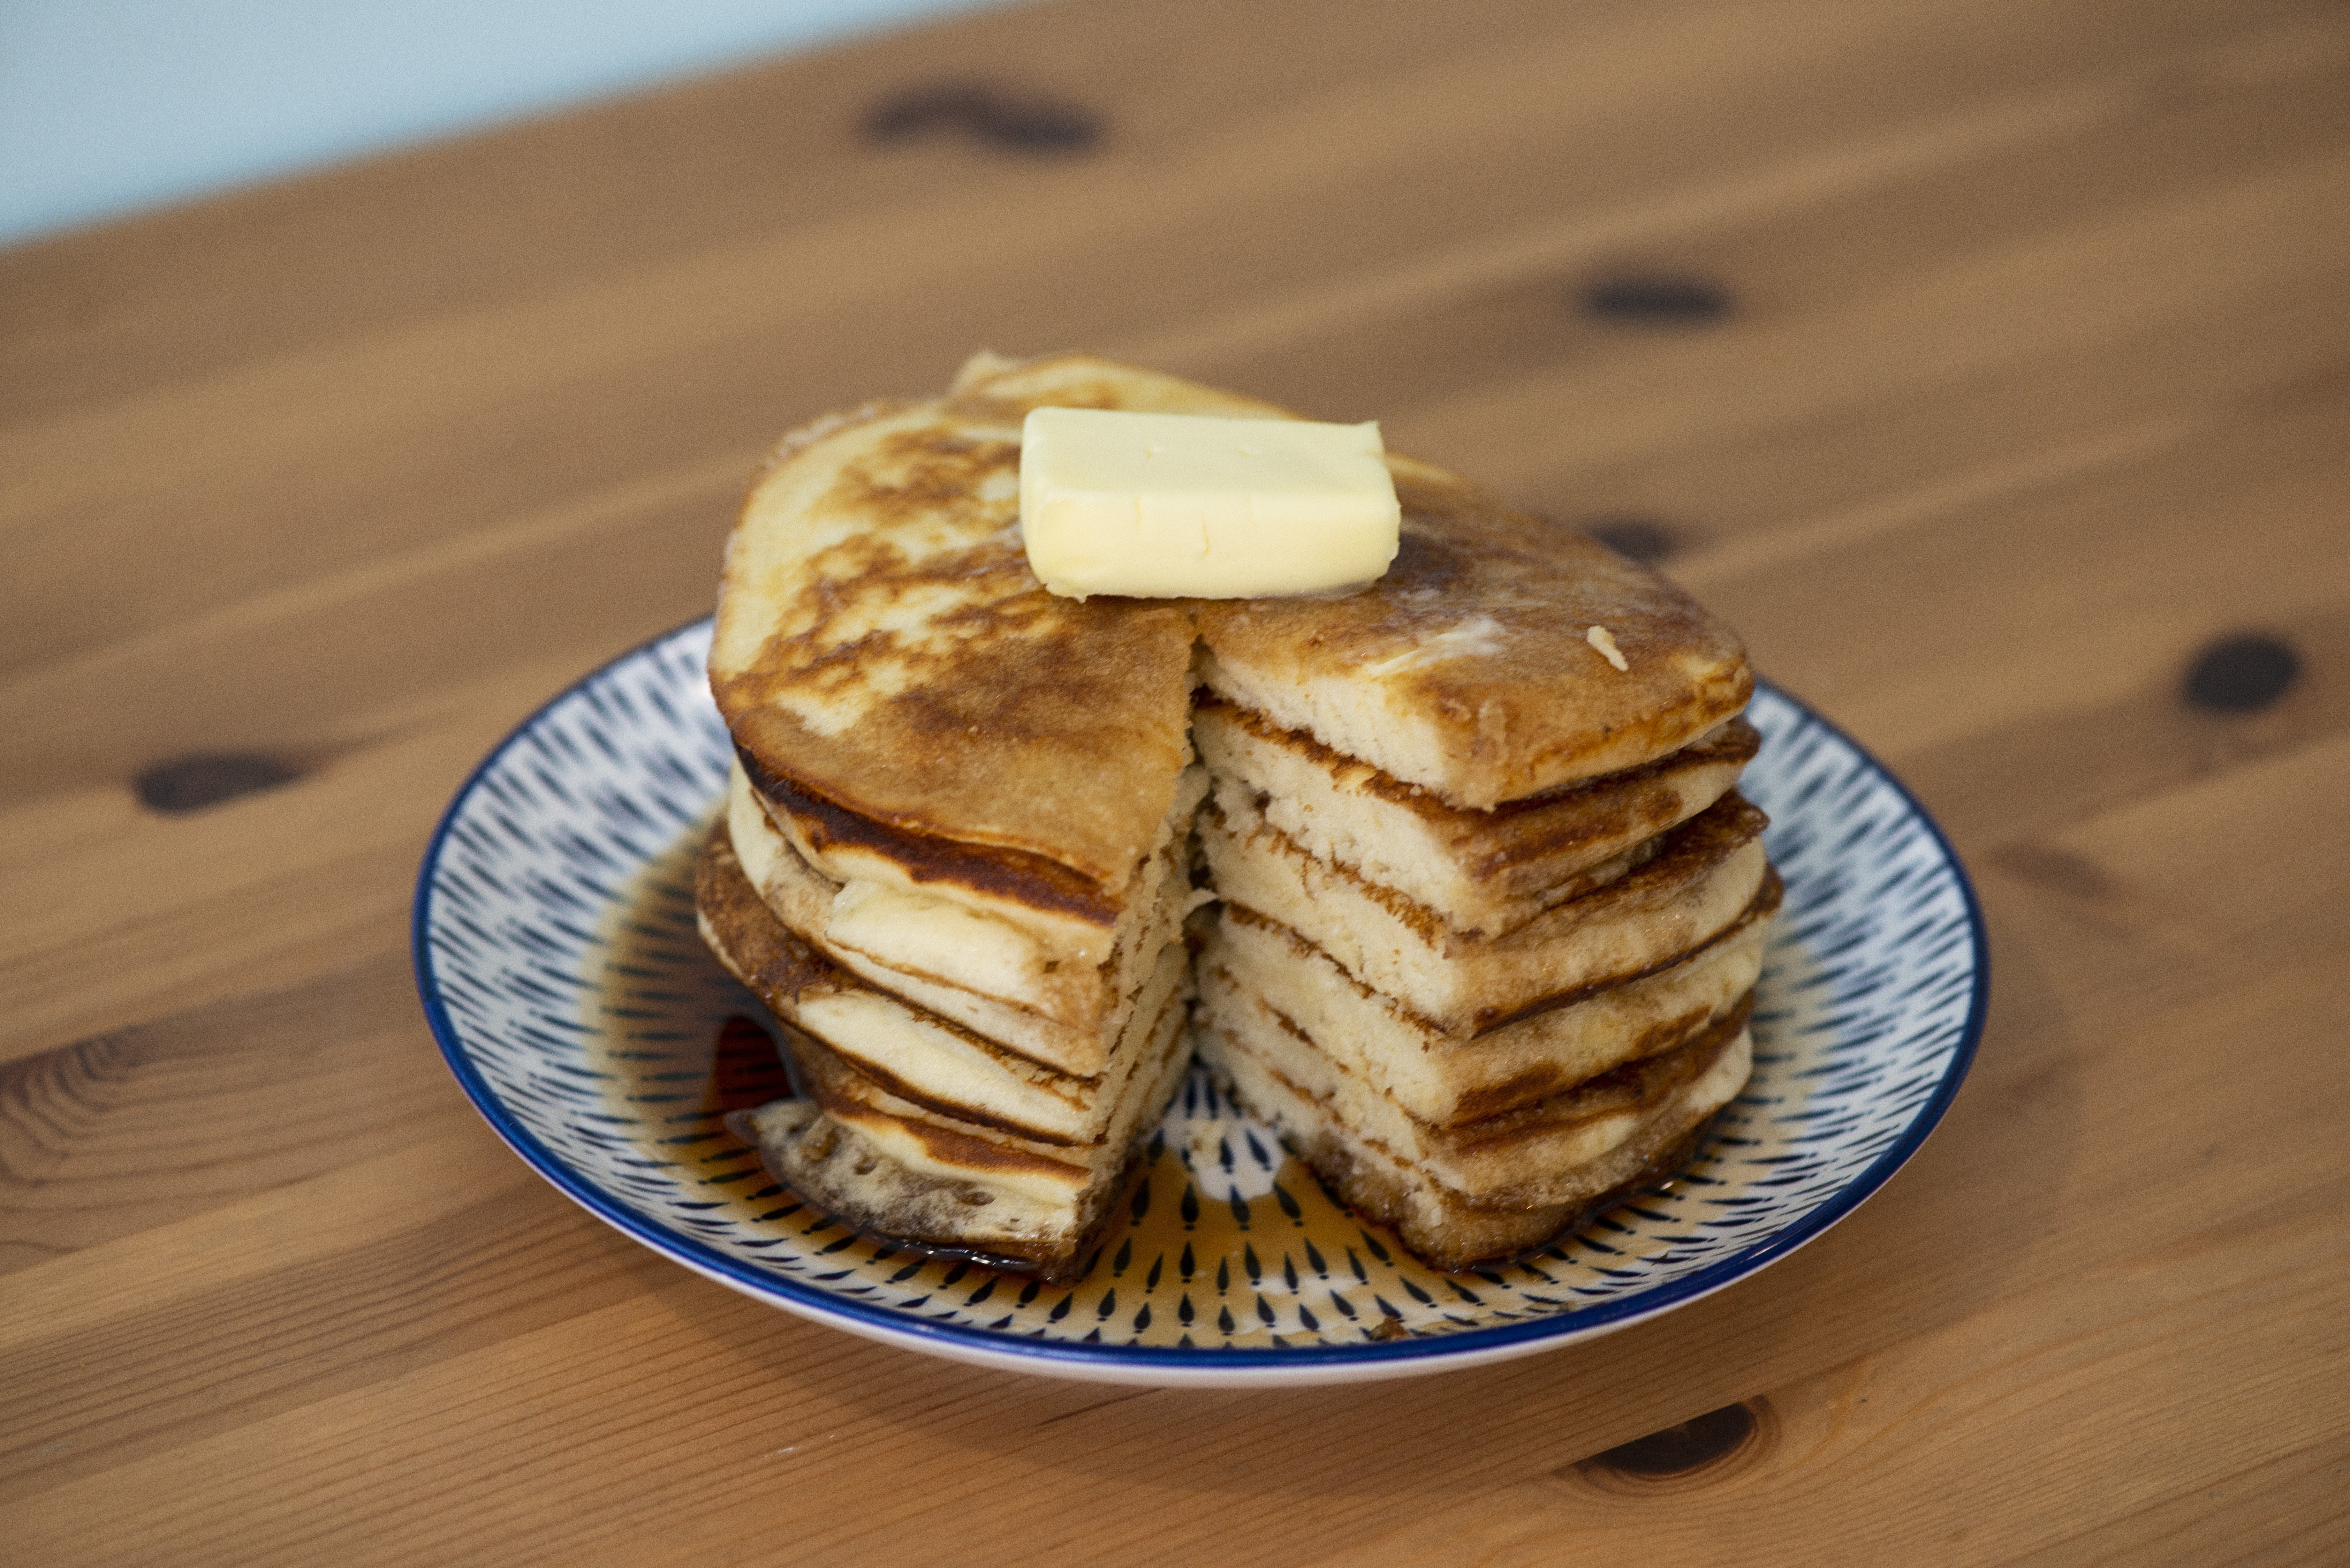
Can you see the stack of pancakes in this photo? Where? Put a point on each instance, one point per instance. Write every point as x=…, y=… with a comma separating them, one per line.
x=1490, y=908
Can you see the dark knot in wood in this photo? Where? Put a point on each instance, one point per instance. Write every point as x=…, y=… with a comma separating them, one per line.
x=180, y=784
x=1015, y=121
x=2242, y=674
x=1678, y=1450
x=1642, y=538
x=1657, y=299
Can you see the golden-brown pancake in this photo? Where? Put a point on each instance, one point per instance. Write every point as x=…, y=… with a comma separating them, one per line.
x=987, y=976
x=1641, y=1125
x=1652, y=908
x=1447, y=1080
x=1480, y=871
x=895, y=676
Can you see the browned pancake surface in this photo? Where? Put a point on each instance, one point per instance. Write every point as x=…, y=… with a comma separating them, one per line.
x=1535, y=706
x=882, y=645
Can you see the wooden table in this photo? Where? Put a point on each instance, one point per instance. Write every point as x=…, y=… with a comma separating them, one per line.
x=1985, y=361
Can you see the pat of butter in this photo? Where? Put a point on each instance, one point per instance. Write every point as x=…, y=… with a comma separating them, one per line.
x=1181, y=506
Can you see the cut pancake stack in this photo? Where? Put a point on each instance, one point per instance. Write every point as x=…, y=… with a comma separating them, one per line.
x=1491, y=911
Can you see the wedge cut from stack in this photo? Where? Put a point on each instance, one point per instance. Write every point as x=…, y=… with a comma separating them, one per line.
x=1490, y=907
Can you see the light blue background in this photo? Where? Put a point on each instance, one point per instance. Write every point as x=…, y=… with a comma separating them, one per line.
x=108, y=106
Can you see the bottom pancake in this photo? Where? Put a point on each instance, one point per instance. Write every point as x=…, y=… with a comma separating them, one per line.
x=1454, y=1229
x=928, y=1184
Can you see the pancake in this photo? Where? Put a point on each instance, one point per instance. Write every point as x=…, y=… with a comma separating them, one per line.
x=1654, y=1119
x=1468, y=669
x=1632, y=916
x=883, y=1164
x=1445, y=1080
x=1484, y=872
x=987, y=975
x=1520, y=1158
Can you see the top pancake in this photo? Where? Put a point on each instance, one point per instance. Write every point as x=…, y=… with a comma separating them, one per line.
x=882, y=645
x=882, y=649
x=1468, y=669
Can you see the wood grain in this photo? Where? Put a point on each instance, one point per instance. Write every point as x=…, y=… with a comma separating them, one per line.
x=2030, y=387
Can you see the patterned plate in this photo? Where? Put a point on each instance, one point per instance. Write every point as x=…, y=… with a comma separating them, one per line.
x=556, y=955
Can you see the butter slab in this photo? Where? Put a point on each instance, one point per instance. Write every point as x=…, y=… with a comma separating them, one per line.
x=1182, y=506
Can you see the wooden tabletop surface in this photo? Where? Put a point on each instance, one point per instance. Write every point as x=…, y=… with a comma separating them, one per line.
x=1986, y=363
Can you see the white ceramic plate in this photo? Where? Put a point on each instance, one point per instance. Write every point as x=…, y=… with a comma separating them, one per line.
x=559, y=963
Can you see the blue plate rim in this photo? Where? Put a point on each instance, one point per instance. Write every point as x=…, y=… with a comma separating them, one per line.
x=1578, y=1324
